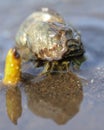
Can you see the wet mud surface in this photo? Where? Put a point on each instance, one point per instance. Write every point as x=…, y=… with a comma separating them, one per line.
x=67, y=101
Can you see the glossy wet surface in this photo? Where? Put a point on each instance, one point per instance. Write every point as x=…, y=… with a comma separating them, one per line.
x=61, y=101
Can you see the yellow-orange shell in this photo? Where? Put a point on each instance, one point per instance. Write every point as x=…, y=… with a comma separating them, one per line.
x=12, y=72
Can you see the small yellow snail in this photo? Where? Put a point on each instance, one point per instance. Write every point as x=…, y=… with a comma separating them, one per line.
x=12, y=71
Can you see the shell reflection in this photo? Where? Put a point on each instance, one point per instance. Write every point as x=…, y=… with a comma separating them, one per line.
x=56, y=96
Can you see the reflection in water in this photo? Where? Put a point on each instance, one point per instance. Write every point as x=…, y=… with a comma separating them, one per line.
x=13, y=104
x=56, y=96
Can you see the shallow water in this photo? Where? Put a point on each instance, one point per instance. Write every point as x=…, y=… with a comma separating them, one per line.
x=75, y=106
